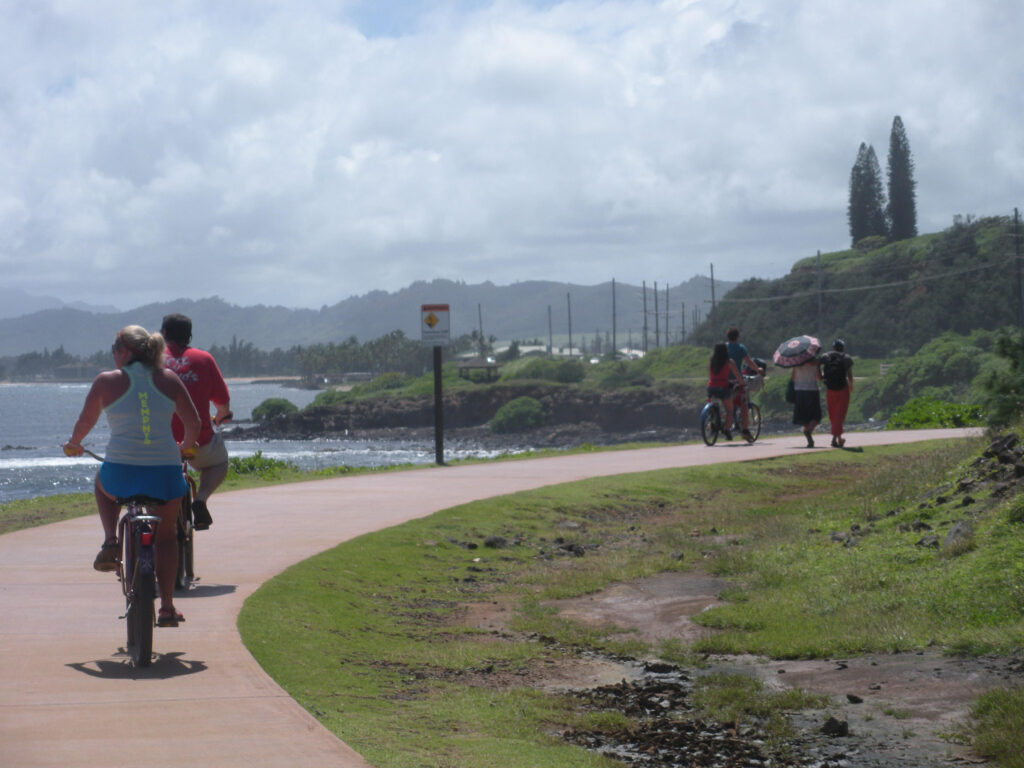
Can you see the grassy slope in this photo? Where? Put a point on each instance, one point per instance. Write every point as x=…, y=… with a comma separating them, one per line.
x=368, y=636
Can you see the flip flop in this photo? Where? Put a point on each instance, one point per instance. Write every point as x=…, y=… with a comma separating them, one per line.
x=168, y=618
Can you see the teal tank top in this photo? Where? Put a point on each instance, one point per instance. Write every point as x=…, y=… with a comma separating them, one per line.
x=140, y=423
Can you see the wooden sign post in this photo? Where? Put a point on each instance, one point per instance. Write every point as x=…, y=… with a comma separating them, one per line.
x=435, y=328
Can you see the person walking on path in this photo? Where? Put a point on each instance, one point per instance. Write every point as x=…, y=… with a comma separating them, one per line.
x=837, y=373
x=807, y=408
x=142, y=457
x=202, y=378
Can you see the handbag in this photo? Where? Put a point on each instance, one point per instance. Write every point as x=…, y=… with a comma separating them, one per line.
x=791, y=391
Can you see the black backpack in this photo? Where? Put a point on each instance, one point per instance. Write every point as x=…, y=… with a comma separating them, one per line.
x=833, y=368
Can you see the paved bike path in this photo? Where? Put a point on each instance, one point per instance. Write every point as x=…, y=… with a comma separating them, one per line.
x=68, y=697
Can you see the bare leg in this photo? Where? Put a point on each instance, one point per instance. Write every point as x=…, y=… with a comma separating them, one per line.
x=209, y=479
x=167, y=552
x=108, y=509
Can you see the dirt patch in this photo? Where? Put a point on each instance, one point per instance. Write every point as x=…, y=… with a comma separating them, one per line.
x=895, y=708
x=653, y=609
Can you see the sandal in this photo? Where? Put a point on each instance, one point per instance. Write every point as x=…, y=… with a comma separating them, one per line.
x=109, y=557
x=168, y=618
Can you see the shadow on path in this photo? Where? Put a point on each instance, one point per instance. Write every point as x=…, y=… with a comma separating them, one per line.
x=164, y=667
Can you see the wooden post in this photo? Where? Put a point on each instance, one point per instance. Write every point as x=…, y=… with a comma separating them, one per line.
x=438, y=410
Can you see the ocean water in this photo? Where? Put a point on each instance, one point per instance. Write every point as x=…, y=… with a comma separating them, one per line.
x=36, y=419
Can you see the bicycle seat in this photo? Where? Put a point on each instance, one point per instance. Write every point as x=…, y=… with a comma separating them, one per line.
x=142, y=500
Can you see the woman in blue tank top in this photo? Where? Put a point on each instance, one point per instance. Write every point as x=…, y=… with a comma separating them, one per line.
x=139, y=398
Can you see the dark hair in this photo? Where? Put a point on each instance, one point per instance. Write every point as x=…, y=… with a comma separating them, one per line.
x=839, y=345
x=733, y=333
x=177, y=329
x=719, y=357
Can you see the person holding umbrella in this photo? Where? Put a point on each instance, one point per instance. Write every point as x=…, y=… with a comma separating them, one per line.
x=799, y=354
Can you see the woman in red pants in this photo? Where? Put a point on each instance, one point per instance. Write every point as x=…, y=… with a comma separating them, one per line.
x=837, y=371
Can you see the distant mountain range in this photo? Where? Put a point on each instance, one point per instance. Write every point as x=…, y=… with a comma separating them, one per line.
x=15, y=302
x=519, y=311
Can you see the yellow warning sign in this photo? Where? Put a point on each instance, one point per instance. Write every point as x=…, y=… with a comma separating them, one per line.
x=436, y=326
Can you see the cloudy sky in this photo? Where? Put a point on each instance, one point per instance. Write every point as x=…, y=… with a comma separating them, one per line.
x=302, y=152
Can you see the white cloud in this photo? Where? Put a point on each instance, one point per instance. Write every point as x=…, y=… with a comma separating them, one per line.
x=302, y=153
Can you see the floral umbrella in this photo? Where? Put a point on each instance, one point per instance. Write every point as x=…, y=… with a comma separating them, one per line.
x=796, y=351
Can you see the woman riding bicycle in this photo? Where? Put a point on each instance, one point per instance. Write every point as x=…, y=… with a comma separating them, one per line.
x=142, y=458
x=720, y=368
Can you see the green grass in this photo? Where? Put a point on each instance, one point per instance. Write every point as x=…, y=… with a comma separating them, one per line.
x=369, y=636
x=248, y=472
x=999, y=735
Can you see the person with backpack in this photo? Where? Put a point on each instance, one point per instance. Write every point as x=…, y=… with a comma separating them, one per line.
x=739, y=355
x=837, y=372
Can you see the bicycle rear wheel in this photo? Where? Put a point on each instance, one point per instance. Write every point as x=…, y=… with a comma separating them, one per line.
x=755, y=421
x=710, y=424
x=140, y=596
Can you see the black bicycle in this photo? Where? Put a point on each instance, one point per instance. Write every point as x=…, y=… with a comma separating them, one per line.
x=711, y=415
x=186, y=533
x=136, y=570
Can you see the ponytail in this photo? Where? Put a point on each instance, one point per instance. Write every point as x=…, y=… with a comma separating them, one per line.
x=146, y=348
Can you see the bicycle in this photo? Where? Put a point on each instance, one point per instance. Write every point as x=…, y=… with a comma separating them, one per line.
x=711, y=415
x=136, y=570
x=186, y=529
x=186, y=533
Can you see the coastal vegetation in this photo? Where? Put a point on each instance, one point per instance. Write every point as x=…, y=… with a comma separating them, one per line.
x=376, y=637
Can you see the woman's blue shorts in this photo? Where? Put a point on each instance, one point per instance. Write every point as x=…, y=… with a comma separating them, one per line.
x=161, y=482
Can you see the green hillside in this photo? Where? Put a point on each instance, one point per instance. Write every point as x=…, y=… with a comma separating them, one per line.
x=887, y=300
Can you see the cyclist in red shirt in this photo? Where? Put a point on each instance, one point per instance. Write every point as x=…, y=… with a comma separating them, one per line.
x=199, y=373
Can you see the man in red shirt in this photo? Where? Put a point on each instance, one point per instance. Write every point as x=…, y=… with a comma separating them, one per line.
x=199, y=373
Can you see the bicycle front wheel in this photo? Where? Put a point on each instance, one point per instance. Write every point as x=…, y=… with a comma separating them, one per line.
x=755, y=421
x=186, y=545
x=709, y=425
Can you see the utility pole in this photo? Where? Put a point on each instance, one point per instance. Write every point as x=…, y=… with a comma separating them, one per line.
x=657, y=329
x=1020, y=283
x=682, y=320
x=667, y=342
x=480, y=320
x=551, y=338
x=614, y=342
x=712, y=289
x=568, y=302
x=644, y=344
x=819, y=293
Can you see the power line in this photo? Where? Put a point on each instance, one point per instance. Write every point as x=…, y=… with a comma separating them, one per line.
x=911, y=281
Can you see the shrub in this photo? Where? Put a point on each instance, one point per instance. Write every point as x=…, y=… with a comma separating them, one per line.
x=518, y=415
x=258, y=465
x=382, y=383
x=621, y=374
x=273, y=407
x=328, y=398
x=561, y=371
x=927, y=412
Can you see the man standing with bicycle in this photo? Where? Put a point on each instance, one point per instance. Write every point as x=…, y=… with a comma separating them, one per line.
x=202, y=378
x=738, y=354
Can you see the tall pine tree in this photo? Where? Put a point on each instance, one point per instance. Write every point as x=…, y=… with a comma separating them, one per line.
x=866, y=209
x=902, y=209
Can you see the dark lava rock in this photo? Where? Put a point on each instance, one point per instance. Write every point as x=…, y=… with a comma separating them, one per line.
x=834, y=727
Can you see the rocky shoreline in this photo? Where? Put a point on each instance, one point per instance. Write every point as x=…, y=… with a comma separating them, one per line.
x=574, y=416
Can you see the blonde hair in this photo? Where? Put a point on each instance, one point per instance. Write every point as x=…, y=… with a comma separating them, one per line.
x=146, y=348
